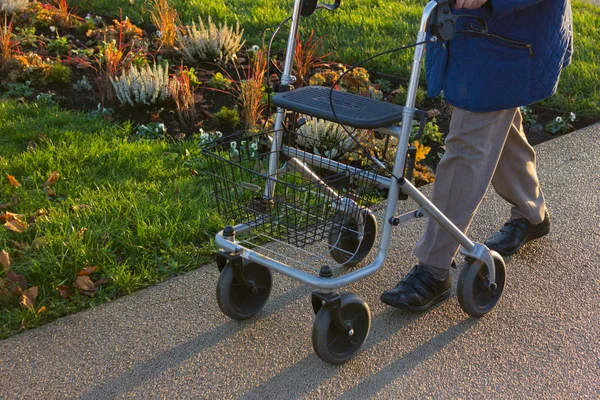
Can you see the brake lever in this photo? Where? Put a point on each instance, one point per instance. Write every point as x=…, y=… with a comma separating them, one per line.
x=443, y=22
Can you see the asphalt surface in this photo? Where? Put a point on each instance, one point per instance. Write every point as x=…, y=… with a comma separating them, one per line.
x=171, y=340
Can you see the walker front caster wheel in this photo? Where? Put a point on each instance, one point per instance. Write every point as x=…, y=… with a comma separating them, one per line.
x=475, y=294
x=243, y=291
x=346, y=245
x=336, y=342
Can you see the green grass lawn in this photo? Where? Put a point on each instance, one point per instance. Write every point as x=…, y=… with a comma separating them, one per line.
x=364, y=27
x=150, y=216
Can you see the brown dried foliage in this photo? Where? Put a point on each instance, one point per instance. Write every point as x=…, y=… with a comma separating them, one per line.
x=184, y=96
x=252, y=91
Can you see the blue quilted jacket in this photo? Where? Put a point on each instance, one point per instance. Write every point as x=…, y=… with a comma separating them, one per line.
x=520, y=63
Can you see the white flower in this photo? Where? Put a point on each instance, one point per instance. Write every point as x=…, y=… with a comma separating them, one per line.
x=88, y=17
x=52, y=29
x=158, y=34
x=233, y=145
x=162, y=127
x=254, y=48
x=254, y=146
x=572, y=117
x=559, y=119
x=219, y=134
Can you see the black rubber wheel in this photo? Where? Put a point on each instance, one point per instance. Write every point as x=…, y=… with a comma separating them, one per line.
x=345, y=246
x=238, y=301
x=475, y=296
x=331, y=345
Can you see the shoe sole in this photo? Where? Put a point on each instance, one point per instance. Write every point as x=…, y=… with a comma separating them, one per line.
x=533, y=237
x=434, y=301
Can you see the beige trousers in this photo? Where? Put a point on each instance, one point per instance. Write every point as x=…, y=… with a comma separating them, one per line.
x=480, y=148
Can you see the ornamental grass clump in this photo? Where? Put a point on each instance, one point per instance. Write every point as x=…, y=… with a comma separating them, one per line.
x=143, y=86
x=13, y=6
x=212, y=43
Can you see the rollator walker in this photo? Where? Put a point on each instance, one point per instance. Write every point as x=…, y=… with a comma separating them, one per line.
x=314, y=219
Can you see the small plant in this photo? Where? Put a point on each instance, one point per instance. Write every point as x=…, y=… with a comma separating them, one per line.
x=46, y=99
x=64, y=16
x=529, y=118
x=83, y=85
x=227, y=119
x=307, y=57
x=401, y=92
x=183, y=94
x=59, y=46
x=18, y=91
x=9, y=7
x=154, y=130
x=123, y=31
x=561, y=125
x=59, y=73
x=27, y=37
x=219, y=81
x=108, y=63
x=205, y=138
x=431, y=133
x=8, y=45
x=210, y=43
x=142, y=86
x=384, y=85
x=165, y=18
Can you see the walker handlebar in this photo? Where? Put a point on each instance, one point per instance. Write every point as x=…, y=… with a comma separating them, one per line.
x=309, y=6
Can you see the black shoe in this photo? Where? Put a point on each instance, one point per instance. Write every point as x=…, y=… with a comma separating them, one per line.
x=418, y=291
x=515, y=234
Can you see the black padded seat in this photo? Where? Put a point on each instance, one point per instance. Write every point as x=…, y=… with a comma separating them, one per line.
x=351, y=109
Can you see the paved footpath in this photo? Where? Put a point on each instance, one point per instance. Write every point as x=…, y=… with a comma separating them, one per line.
x=171, y=341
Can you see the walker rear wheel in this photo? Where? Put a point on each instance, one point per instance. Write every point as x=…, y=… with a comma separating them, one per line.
x=475, y=294
x=345, y=243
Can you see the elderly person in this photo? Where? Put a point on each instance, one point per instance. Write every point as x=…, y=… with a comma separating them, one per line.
x=487, y=77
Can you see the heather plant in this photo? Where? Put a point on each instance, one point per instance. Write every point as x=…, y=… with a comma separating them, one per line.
x=143, y=86
x=212, y=43
x=327, y=139
x=10, y=7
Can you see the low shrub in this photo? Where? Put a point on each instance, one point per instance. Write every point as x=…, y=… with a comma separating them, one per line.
x=142, y=86
x=212, y=43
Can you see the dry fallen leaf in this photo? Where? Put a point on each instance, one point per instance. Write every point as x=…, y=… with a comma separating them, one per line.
x=64, y=291
x=8, y=216
x=13, y=181
x=16, y=225
x=87, y=271
x=42, y=309
x=51, y=192
x=81, y=207
x=85, y=285
x=20, y=246
x=101, y=281
x=23, y=326
x=38, y=242
x=194, y=172
x=28, y=297
x=4, y=260
x=51, y=180
x=433, y=113
x=18, y=283
x=39, y=213
x=81, y=232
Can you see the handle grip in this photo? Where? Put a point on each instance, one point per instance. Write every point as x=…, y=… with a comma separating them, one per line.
x=309, y=7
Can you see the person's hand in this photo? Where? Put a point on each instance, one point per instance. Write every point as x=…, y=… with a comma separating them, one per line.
x=469, y=4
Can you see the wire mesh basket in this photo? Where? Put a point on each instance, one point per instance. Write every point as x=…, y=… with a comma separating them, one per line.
x=303, y=209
